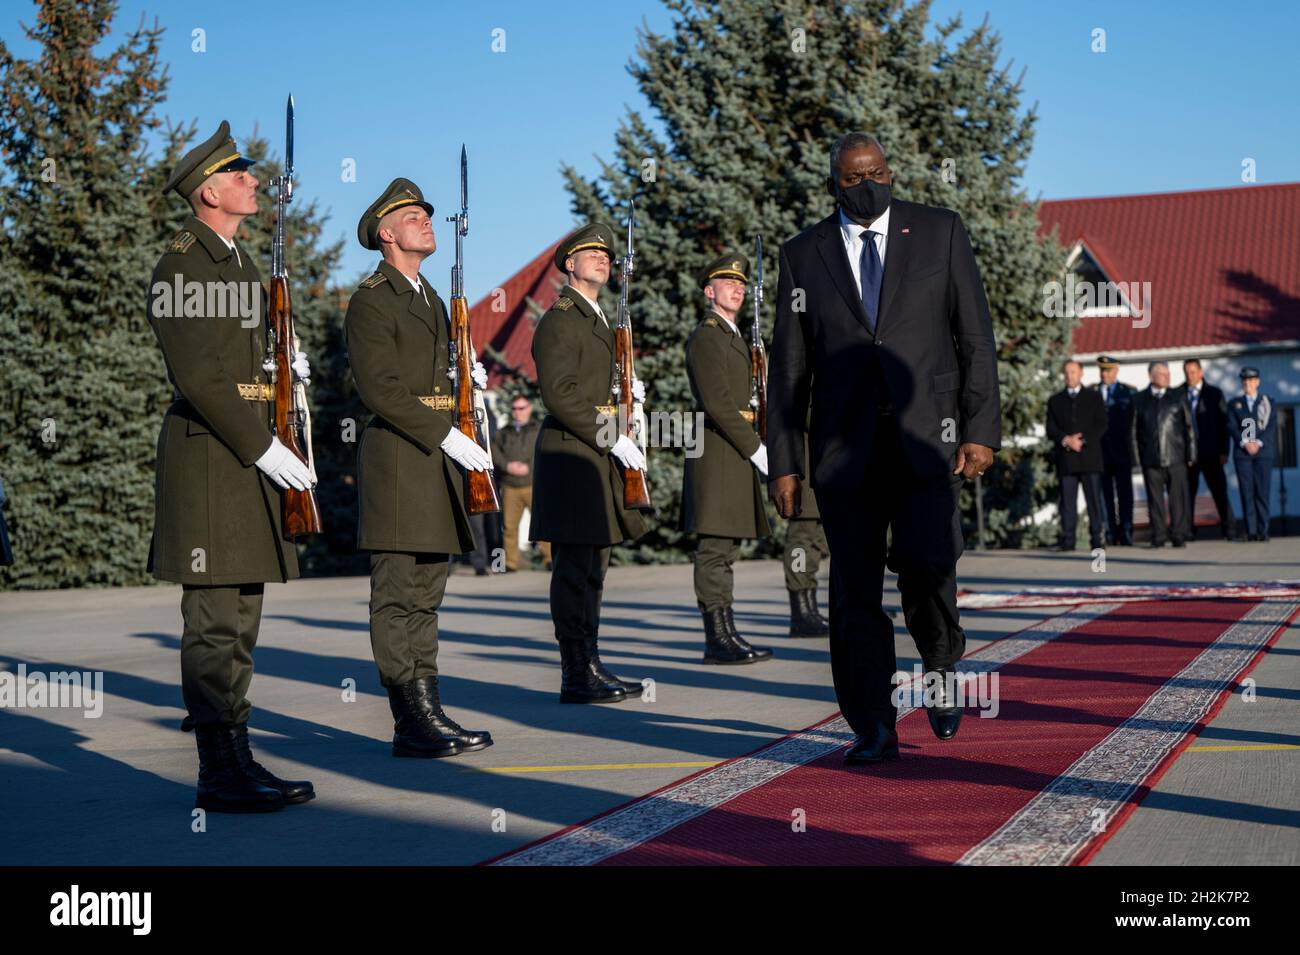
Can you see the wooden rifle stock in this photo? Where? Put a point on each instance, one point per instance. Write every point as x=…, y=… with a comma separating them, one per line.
x=636, y=491
x=480, y=489
x=299, y=509
x=758, y=377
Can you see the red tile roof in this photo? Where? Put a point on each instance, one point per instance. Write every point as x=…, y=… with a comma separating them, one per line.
x=1224, y=268
x=508, y=328
x=1224, y=264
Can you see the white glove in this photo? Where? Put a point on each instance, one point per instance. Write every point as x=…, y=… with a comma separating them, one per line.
x=638, y=390
x=466, y=452
x=301, y=369
x=625, y=450
x=479, y=375
x=759, y=458
x=284, y=468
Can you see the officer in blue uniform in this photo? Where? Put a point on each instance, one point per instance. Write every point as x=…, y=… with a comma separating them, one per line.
x=1251, y=418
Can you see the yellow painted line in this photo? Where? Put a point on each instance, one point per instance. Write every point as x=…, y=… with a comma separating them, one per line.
x=1241, y=748
x=593, y=767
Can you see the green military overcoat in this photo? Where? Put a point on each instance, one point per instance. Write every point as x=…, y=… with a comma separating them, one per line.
x=577, y=483
x=216, y=517
x=412, y=495
x=721, y=492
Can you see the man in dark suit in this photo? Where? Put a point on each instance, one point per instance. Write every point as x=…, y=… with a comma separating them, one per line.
x=1210, y=421
x=1076, y=421
x=1116, y=454
x=883, y=328
x=1164, y=444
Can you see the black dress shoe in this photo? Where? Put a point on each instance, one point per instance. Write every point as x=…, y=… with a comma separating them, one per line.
x=630, y=687
x=414, y=736
x=442, y=724
x=760, y=653
x=1179, y=544
x=293, y=790
x=881, y=742
x=579, y=680
x=719, y=647
x=223, y=785
x=805, y=619
x=945, y=712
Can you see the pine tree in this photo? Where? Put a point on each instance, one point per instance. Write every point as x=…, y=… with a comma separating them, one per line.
x=748, y=98
x=84, y=221
x=84, y=383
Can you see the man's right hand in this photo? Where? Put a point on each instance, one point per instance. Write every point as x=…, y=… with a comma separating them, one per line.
x=284, y=467
x=786, y=493
x=466, y=452
x=627, y=452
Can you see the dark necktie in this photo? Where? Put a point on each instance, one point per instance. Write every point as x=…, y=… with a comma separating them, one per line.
x=871, y=271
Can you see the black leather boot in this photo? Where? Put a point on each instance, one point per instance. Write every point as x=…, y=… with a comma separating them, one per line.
x=760, y=653
x=414, y=736
x=579, y=681
x=719, y=648
x=631, y=688
x=945, y=714
x=805, y=620
x=444, y=725
x=293, y=790
x=223, y=785
x=879, y=742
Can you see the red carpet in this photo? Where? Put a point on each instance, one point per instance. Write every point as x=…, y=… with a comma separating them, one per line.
x=1093, y=705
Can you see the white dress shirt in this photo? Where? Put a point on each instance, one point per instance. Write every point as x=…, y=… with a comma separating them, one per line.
x=418, y=285
x=730, y=323
x=229, y=243
x=595, y=306
x=852, y=235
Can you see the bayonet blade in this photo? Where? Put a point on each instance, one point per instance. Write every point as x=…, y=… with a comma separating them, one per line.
x=464, y=180
x=288, y=138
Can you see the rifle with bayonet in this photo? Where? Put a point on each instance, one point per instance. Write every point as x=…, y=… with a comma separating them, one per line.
x=757, y=356
x=292, y=424
x=631, y=415
x=470, y=413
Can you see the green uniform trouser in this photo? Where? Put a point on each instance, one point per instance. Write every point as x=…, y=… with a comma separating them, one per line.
x=220, y=631
x=577, y=587
x=405, y=593
x=714, y=582
x=805, y=546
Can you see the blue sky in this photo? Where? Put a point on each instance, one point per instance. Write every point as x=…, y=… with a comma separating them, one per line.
x=1182, y=94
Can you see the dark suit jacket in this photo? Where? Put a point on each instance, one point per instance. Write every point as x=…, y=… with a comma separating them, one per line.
x=932, y=352
x=1116, y=451
x=1084, y=413
x=1161, y=432
x=1211, y=420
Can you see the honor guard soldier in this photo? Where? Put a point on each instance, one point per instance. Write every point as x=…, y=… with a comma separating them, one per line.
x=1251, y=424
x=722, y=500
x=577, y=473
x=805, y=548
x=410, y=488
x=217, y=520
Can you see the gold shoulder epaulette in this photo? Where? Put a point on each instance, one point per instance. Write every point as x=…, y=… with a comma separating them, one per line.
x=379, y=278
x=710, y=321
x=182, y=241
x=563, y=303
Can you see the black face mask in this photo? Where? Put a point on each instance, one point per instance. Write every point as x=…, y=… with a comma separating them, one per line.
x=867, y=200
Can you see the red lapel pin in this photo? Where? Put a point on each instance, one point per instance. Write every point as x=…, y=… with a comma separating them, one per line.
x=904, y=231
